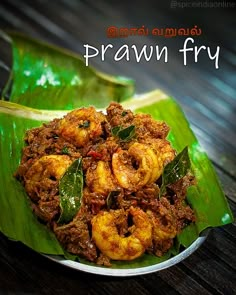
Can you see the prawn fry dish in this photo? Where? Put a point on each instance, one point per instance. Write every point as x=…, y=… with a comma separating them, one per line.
x=120, y=209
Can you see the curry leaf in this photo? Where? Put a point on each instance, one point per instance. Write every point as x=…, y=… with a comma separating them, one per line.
x=85, y=124
x=175, y=170
x=65, y=150
x=115, y=130
x=124, y=134
x=70, y=190
x=111, y=198
x=127, y=133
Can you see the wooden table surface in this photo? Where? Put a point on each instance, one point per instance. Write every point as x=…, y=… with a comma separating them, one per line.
x=207, y=95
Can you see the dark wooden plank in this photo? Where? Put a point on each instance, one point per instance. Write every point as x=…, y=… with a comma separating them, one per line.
x=228, y=184
x=182, y=282
x=209, y=269
x=222, y=247
x=156, y=284
x=218, y=152
x=207, y=97
x=31, y=273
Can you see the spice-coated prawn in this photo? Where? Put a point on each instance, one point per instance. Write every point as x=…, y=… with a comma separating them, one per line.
x=82, y=125
x=141, y=164
x=44, y=171
x=100, y=179
x=116, y=247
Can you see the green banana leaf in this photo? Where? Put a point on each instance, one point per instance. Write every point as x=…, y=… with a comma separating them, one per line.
x=70, y=84
x=45, y=82
x=19, y=223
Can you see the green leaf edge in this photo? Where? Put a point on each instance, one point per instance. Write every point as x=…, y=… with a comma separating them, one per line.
x=16, y=96
x=15, y=109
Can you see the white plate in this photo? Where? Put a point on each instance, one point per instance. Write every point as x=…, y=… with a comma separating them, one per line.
x=120, y=272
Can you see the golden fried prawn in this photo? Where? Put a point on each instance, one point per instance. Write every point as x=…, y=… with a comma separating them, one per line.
x=82, y=125
x=138, y=166
x=116, y=247
x=45, y=170
x=99, y=179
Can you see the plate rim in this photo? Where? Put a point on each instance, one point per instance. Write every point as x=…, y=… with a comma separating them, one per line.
x=121, y=272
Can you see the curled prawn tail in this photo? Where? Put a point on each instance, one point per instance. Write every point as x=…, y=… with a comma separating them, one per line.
x=100, y=178
x=138, y=166
x=82, y=125
x=44, y=171
x=142, y=226
x=114, y=246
